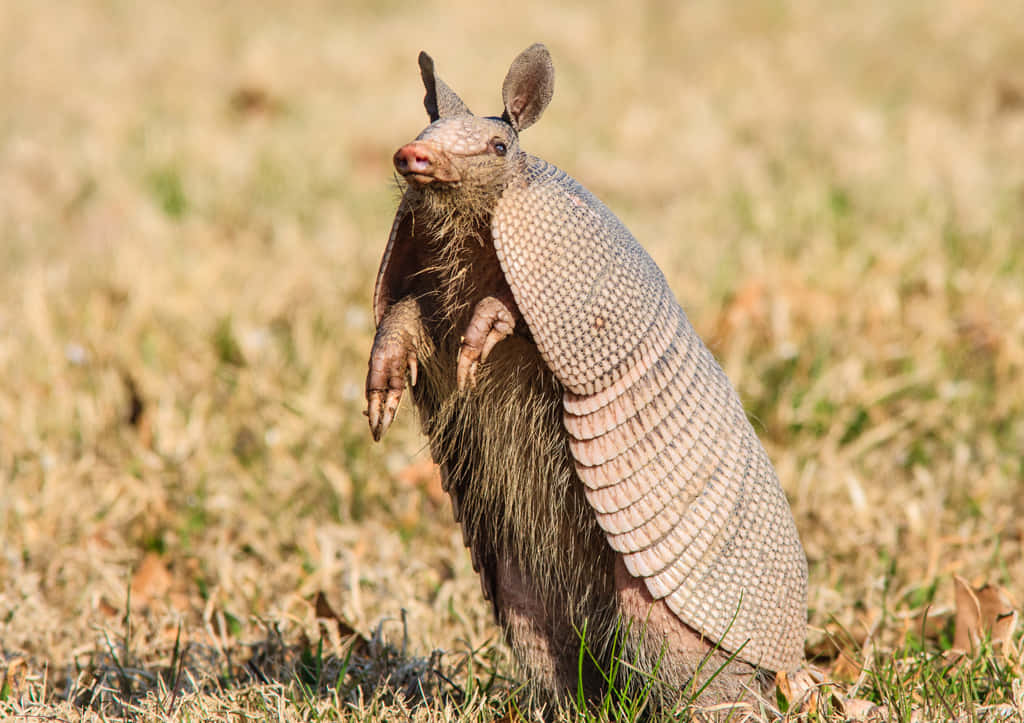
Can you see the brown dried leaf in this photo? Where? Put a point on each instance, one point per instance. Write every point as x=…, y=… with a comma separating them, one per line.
x=746, y=308
x=101, y=537
x=106, y=608
x=253, y=99
x=846, y=668
x=1009, y=96
x=426, y=475
x=151, y=580
x=980, y=333
x=767, y=309
x=808, y=688
x=324, y=611
x=858, y=709
x=801, y=688
x=180, y=602
x=985, y=612
x=835, y=648
x=998, y=613
x=14, y=675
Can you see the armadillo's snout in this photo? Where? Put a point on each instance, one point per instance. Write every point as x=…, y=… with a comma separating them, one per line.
x=424, y=163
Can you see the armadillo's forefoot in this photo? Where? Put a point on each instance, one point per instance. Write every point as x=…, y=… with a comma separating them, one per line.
x=493, y=319
x=393, y=354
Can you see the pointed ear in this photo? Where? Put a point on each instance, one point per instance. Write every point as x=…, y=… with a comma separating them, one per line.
x=440, y=100
x=528, y=87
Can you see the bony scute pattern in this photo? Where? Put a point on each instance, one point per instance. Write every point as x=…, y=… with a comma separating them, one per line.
x=704, y=521
x=575, y=265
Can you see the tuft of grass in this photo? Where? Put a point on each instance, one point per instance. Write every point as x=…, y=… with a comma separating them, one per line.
x=226, y=345
x=168, y=192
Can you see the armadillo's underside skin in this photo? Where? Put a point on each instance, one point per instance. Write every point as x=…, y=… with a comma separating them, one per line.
x=603, y=470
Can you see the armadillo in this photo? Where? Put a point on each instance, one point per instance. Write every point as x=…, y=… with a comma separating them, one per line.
x=611, y=491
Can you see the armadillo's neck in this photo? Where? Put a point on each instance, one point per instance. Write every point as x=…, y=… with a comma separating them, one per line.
x=453, y=214
x=456, y=237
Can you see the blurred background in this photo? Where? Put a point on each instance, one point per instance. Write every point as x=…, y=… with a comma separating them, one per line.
x=194, y=198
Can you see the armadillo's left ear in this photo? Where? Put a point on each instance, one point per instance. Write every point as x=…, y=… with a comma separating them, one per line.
x=440, y=100
x=528, y=87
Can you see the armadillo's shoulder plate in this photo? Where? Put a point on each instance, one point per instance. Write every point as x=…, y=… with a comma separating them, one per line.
x=587, y=290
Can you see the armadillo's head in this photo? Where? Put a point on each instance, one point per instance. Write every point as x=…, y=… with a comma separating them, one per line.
x=467, y=155
x=464, y=149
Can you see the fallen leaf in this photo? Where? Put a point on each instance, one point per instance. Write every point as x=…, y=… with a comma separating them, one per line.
x=426, y=475
x=858, y=709
x=252, y=99
x=101, y=537
x=987, y=612
x=980, y=333
x=1009, y=96
x=324, y=611
x=136, y=404
x=846, y=668
x=808, y=688
x=834, y=648
x=801, y=688
x=768, y=308
x=180, y=602
x=106, y=608
x=151, y=580
x=14, y=675
x=747, y=307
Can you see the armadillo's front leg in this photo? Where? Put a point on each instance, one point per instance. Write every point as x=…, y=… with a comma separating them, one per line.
x=393, y=353
x=494, y=318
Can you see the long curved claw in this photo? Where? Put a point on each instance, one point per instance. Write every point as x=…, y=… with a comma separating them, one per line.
x=466, y=370
x=381, y=408
x=390, y=359
x=414, y=369
x=498, y=332
x=492, y=321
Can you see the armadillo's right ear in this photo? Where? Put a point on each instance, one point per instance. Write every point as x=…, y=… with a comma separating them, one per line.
x=528, y=87
x=440, y=100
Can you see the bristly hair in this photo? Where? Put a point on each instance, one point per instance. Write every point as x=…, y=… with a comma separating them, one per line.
x=454, y=222
x=453, y=212
x=513, y=505
x=506, y=464
x=517, y=464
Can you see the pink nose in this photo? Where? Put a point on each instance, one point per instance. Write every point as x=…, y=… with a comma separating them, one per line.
x=414, y=158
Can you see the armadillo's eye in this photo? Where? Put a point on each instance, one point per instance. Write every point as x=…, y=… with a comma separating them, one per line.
x=499, y=147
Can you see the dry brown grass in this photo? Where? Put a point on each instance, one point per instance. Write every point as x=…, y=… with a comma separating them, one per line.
x=193, y=201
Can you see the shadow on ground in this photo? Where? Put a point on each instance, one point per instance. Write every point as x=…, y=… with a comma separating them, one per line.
x=114, y=681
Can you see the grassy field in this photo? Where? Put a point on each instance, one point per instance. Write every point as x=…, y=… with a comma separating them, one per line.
x=193, y=201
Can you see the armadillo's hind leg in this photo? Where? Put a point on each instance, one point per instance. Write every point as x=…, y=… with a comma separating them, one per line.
x=393, y=353
x=544, y=641
x=494, y=318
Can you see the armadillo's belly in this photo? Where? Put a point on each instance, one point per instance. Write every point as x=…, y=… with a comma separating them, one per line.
x=505, y=458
